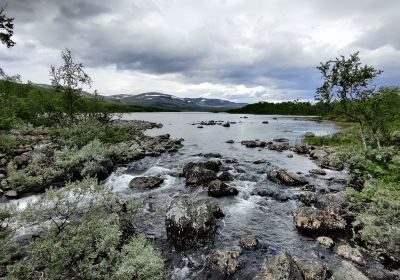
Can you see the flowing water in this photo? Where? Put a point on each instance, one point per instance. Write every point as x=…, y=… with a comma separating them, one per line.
x=246, y=214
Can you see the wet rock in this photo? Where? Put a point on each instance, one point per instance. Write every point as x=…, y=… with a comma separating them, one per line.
x=265, y=122
x=201, y=173
x=218, y=188
x=325, y=241
x=280, y=140
x=191, y=222
x=290, y=178
x=279, y=147
x=200, y=126
x=310, y=219
x=230, y=142
x=347, y=271
x=317, y=171
x=150, y=182
x=307, y=197
x=281, y=266
x=300, y=149
x=254, y=144
x=226, y=124
x=312, y=269
x=260, y=161
x=350, y=253
x=249, y=243
x=224, y=262
x=309, y=134
x=212, y=155
x=12, y=194
x=308, y=187
x=289, y=155
x=225, y=176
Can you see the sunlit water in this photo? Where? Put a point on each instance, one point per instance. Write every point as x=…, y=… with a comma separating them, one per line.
x=269, y=220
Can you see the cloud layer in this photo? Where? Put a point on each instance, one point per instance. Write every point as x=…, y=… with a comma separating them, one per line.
x=233, y=49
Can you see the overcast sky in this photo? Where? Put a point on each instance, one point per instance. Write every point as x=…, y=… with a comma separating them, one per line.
x=241, y=50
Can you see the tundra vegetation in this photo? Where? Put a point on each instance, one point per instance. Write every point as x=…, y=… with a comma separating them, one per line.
x=83, y=230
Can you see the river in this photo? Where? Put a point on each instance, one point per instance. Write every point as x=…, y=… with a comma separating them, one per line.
x=246, y=214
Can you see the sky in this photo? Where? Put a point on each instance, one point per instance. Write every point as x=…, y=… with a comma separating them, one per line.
x=239, y=50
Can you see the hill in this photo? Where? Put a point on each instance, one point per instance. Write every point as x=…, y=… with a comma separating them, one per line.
x=168, y=101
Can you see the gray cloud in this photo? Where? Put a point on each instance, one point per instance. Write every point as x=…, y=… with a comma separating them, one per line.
x=247, y=50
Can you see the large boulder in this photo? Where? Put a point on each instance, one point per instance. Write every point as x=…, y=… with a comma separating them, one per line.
x=279, y=267
x=217, y=188
x=347, y=271
x=312, y=269
x=350, y=253
x=310, y=219
x=201, y=173
x=289, y=178
x=191, y=223
x=224, y=262
x=141, y=183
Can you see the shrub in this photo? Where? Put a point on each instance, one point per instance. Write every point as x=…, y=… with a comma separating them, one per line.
x=7, y=144
x=81, y=238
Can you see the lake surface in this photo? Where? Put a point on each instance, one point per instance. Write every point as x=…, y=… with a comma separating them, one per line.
x=246, y=214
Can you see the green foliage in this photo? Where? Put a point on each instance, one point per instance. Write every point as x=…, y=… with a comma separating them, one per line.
x=7, y=143
x=284, y=108
x=6, y=245
x=81, y=133
x=379, y=212
x=6, y=29
x=81, y=238
x=346, y=137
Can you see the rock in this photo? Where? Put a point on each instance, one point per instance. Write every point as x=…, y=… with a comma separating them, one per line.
x=249, y=243
x=307, y=197
x=191, y=222
x=11, y=194
x=279, y=267
x=265, y=122
x=225, y=176
x=150, y=182
x=22, y=159
x=225, y=262
x=334, y=202
x=260, y=161
x=290, y=179
x=226, y=124
x=325, y=241
x=300, y=149
x=230, y=142
x=254, y=144
x=317, y=171
x=200, y=173
x=350, y=253
x=279, y=147
x=218, y=188
x=347, y=271
x=310, y=219
x=200, y=126
x=309, y=134
x=312, y=269
x=289, y=155
x=271, y=191
x=280, y=140
x=212, y=155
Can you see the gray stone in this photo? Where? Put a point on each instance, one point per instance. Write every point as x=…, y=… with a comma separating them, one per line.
x=279, y=267
x=225, y=262
x=347, y=271
x=350, y=253
x=312, y=269
x=150, y=182
x=249, y=243
x=310, y=219
x=325, y=241
x=217, y=188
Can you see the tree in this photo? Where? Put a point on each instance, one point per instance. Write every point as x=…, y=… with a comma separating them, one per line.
x=67, y=80
x=347, y=89
x=6, y=29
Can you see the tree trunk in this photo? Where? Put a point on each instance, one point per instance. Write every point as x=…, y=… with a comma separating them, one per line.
x=362, y=133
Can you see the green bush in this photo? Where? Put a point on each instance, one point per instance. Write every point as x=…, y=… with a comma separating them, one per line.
x=378, y=205
x=81, y=238
x=7, y=144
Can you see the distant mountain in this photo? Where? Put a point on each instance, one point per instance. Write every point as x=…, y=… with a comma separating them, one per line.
x=168, y=101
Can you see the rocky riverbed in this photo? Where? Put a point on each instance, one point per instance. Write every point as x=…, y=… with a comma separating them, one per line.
x=245, y=201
